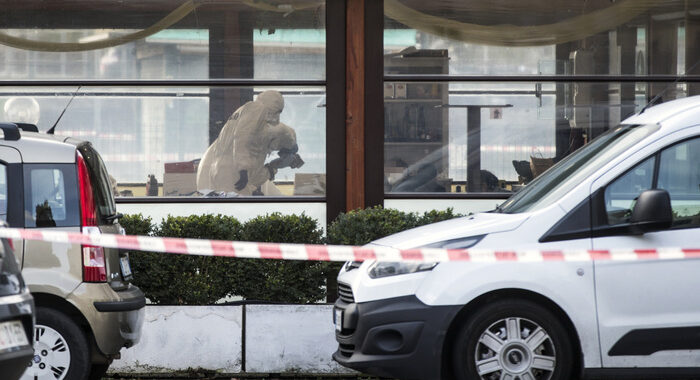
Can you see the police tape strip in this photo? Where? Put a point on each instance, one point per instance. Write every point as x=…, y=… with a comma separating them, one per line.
x=253, y=250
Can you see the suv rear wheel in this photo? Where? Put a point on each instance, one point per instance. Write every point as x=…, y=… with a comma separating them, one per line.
x=61, y=351
x=512, y=339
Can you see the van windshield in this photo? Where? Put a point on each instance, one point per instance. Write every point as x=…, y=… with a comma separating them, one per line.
x=569, y=172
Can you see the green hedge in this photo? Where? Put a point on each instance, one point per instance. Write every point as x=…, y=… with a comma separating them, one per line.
x=283, y=280
x=187, y=280
x=178, y=279
x=359, y=227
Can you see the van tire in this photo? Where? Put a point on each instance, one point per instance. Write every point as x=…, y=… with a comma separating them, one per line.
x=538, y=343
x=70, y=334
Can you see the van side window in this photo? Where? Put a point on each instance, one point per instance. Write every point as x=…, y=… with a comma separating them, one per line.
x=620, y=195
x=679, y=174
x=3, y=193
x=50, y=196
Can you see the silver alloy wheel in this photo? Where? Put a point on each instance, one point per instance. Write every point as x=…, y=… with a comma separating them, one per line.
x=515, y=349
x=51, y=356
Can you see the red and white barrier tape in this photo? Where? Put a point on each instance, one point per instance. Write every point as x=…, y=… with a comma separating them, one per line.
x=335, y=252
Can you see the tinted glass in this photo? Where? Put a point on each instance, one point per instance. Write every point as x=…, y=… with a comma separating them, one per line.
x=679, y=174
x=622, y=193
x=51, y=195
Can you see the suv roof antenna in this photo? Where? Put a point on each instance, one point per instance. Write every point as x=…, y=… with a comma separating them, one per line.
x=658, y=96
x=52, y=129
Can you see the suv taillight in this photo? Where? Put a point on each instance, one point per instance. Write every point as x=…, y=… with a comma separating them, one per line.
x=88, y=213
x=93, y=257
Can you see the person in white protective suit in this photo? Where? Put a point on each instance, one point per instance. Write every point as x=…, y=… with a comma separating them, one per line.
x=235, y=162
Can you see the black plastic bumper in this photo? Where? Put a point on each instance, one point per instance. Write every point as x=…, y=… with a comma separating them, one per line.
x=120, y=306
x=136, y=302
x=397, y=337
x=14, y=363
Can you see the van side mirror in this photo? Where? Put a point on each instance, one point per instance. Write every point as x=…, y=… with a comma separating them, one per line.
x=652, y=212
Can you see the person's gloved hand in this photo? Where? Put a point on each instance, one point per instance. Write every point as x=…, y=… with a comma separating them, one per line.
x=296, y=161
x=242, y=180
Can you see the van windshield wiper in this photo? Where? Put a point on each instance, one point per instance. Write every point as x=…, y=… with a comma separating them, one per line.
x=111, y=218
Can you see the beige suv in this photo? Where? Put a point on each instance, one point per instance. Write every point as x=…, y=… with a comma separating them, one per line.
x=86, y=308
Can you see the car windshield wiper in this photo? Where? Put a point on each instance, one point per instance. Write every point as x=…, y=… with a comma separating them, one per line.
x=111, y=218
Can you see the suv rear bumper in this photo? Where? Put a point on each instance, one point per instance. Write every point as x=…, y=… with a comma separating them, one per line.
x=115, y=317
x=397, y=337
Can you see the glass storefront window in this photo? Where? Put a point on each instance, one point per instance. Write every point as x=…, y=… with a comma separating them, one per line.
x=156, y=137
x=161, y=40
x=453, y=134
x=474, y=139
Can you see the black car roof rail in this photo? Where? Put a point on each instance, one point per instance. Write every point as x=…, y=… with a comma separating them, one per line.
x=27, y=127
x=10, y=131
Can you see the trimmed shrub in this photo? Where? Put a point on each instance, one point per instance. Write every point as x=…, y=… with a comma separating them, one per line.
x=136, y=224
x=188, y=280
x=283, y=280
x=435, y=216
x=359, y=227
x=184, y=280
x=201, y=280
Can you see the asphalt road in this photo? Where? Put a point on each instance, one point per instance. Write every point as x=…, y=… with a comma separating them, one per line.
x=252, y=377
x=299, y=377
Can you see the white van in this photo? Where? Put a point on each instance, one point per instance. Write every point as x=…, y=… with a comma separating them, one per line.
x=636, y=186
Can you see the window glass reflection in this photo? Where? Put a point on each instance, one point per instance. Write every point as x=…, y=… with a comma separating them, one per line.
x=497, y=136
x=163, y=40
x=153, y=140
x=475, y=139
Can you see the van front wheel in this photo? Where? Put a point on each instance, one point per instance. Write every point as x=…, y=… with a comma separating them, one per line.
x=61, y=351
x=512, y=339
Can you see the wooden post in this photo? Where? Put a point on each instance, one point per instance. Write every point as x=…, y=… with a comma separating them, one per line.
x=364, y=118
x=355, y=104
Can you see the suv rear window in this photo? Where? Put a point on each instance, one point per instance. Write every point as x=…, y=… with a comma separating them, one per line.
x=51, y=195
x=101, y=183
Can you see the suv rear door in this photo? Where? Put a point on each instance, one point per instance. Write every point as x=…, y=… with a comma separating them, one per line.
x=117, y=262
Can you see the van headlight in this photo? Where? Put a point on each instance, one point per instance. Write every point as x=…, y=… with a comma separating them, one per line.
x=389, y=268
x=386, y=269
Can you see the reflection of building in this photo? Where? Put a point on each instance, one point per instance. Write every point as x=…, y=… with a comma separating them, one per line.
x=569, y=71
x=137, y=129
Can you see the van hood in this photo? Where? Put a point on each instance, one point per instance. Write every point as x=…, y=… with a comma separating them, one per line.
x=473, y=225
